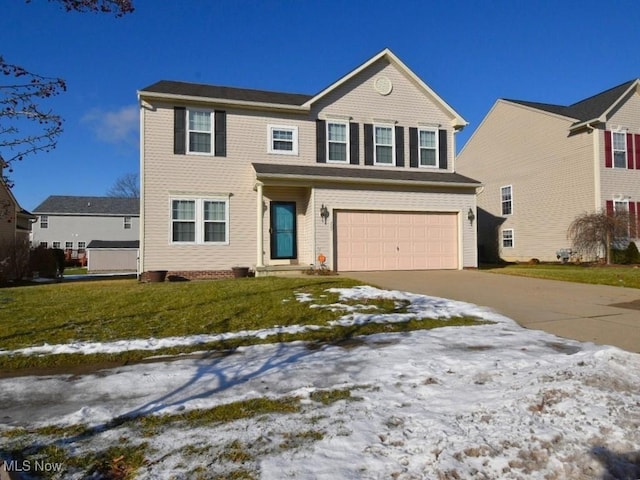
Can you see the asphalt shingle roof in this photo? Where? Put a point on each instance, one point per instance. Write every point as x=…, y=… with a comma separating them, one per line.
x=586, y=109
x=226, y=93
x=60, y=204
x=114, y=244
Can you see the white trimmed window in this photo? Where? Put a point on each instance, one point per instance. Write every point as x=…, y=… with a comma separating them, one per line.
x=619, y=147
x=82, y=245
x=507, y=238
x=283, y=140
x=199, y=131
x=55, y=245
x=384, y=145
x=506, y=199
x=44, y=221
x=200, y=221
x=127, y=223
x=44, y=244
x=337, y=142
x=68, y=245
x=428, y=146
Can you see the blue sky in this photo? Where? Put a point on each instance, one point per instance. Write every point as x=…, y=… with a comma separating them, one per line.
x=470, y=52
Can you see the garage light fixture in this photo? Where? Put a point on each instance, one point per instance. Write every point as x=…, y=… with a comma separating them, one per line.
x=471, y=217
x=324, y=213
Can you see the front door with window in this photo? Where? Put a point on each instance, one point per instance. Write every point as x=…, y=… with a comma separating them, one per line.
x=283, y=230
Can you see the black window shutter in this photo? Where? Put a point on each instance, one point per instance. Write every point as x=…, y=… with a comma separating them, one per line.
x=321, y=144
x=413, y=147
x=220, y=125
x=354, y=143
x=368, y=144
x=179, y=130
x=442, y=149
x=399, y=146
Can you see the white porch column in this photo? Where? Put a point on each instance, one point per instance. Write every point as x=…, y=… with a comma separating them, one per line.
x=260, y=226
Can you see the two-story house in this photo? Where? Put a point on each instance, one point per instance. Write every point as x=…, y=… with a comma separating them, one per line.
x=544, y=165
x=72, y=222
x=359, y=176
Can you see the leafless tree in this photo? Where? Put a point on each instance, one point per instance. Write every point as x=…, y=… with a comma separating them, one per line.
x=127, y=186
x=594, y=234
x=26, y=126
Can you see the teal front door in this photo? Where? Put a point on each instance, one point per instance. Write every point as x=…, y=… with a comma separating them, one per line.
x=283, y=230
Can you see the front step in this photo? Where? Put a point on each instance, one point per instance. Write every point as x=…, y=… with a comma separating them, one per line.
x=282, y=270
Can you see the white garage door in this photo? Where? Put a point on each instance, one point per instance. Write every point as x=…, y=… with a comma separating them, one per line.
x=396, y=241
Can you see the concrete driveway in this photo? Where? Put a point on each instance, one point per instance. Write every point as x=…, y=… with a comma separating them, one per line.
x=592, y=313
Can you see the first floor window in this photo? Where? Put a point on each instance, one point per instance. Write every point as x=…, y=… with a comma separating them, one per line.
x=283, y=140
x=199, y=131
x=44, y=221
x=200, y=221
x=428, y=148
x=44, y=244
x=506, y=198
x=82, y=245
x=68, y=245
x=56, y=245
x=383, y=142
x=619, y=149
x=127, y=223
x=507, y=238
x=337, y=142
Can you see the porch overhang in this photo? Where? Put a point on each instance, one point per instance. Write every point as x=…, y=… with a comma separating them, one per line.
x=311, y=175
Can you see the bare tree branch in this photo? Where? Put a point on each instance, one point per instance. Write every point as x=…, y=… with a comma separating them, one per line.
x=118, y=7
x=127, y=186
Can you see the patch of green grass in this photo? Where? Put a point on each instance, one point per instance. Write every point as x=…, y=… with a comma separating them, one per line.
x=600, y=275
x=327, y=397
x=236, y=452
x=75, y=271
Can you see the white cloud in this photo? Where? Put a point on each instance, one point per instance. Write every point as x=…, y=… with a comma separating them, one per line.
x=118, y=126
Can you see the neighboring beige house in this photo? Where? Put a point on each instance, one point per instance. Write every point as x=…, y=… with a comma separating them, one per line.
x=543, y=165
x=361, y=174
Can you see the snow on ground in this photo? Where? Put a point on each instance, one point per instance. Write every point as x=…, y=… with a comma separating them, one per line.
x=487, y=401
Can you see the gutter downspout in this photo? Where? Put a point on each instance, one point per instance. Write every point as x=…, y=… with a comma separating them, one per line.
x=140, y=266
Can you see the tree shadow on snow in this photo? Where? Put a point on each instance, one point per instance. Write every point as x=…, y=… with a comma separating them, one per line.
x=619, y=466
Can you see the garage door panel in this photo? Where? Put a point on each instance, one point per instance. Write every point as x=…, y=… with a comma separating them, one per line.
x=396, y=240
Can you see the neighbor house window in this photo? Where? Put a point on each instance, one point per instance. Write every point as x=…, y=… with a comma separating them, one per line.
x=56, y=245
x=199, y=131
x=428, y=148
x=68, y=245
x=383, y=145
x=337, y=142
x=200, y=221
x=507, y=238
x=44, y=221
x=506, y=198
x=82, y=245
x=619, y=146
x=44, y=244
x=127, y=223
x=283, y=139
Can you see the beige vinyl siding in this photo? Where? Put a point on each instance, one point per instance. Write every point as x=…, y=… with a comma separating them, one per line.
x=7, y=215
x=551, y=173
x=406, y=105
x=392, y=200
x=617, y=182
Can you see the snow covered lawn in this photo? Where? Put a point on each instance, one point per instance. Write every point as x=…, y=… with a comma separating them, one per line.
x=486, y=401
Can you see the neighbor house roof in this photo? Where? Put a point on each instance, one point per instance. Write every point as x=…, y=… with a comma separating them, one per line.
x=591, y=109
x=114, y=244
x=71, y=205
x=418, y=177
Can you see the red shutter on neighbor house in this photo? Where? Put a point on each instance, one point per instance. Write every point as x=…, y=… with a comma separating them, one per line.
x=609, y=207
x=608, y=158
x=630, y=151
x=636, y=139
x=633, y=221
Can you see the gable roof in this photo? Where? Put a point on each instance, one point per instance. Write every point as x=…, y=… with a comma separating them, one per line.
x=71, y=205
x=280, y=100
x=114, y=244
x=592, y=109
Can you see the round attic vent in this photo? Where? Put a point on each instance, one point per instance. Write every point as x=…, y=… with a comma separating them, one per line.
x=383, y=85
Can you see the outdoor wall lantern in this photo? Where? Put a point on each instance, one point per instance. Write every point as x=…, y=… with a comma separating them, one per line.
x=324, y=213
x=471, y=217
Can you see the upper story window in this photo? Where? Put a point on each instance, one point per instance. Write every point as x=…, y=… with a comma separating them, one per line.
x=199, y=131
x=200, y=221
x=44, y=221
x=428, y=140
x=127, y=223
x=283, y=140
x=506, y=198
x=619, y=147
x=337, y=142
x=383, y=141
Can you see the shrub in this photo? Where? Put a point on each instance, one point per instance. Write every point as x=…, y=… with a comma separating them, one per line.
x=619, y=256
x=14, y=260
x=43, y=261
x=633, y=255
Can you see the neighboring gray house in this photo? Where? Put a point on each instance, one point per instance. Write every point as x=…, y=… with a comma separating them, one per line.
x=543, y=165
x=71, y=222
x=360, y=175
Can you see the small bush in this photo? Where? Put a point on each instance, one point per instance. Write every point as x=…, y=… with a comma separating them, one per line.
x=43, y=261
x=633, y=255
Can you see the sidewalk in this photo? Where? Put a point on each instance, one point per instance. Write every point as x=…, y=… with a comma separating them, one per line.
x=572, y=310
